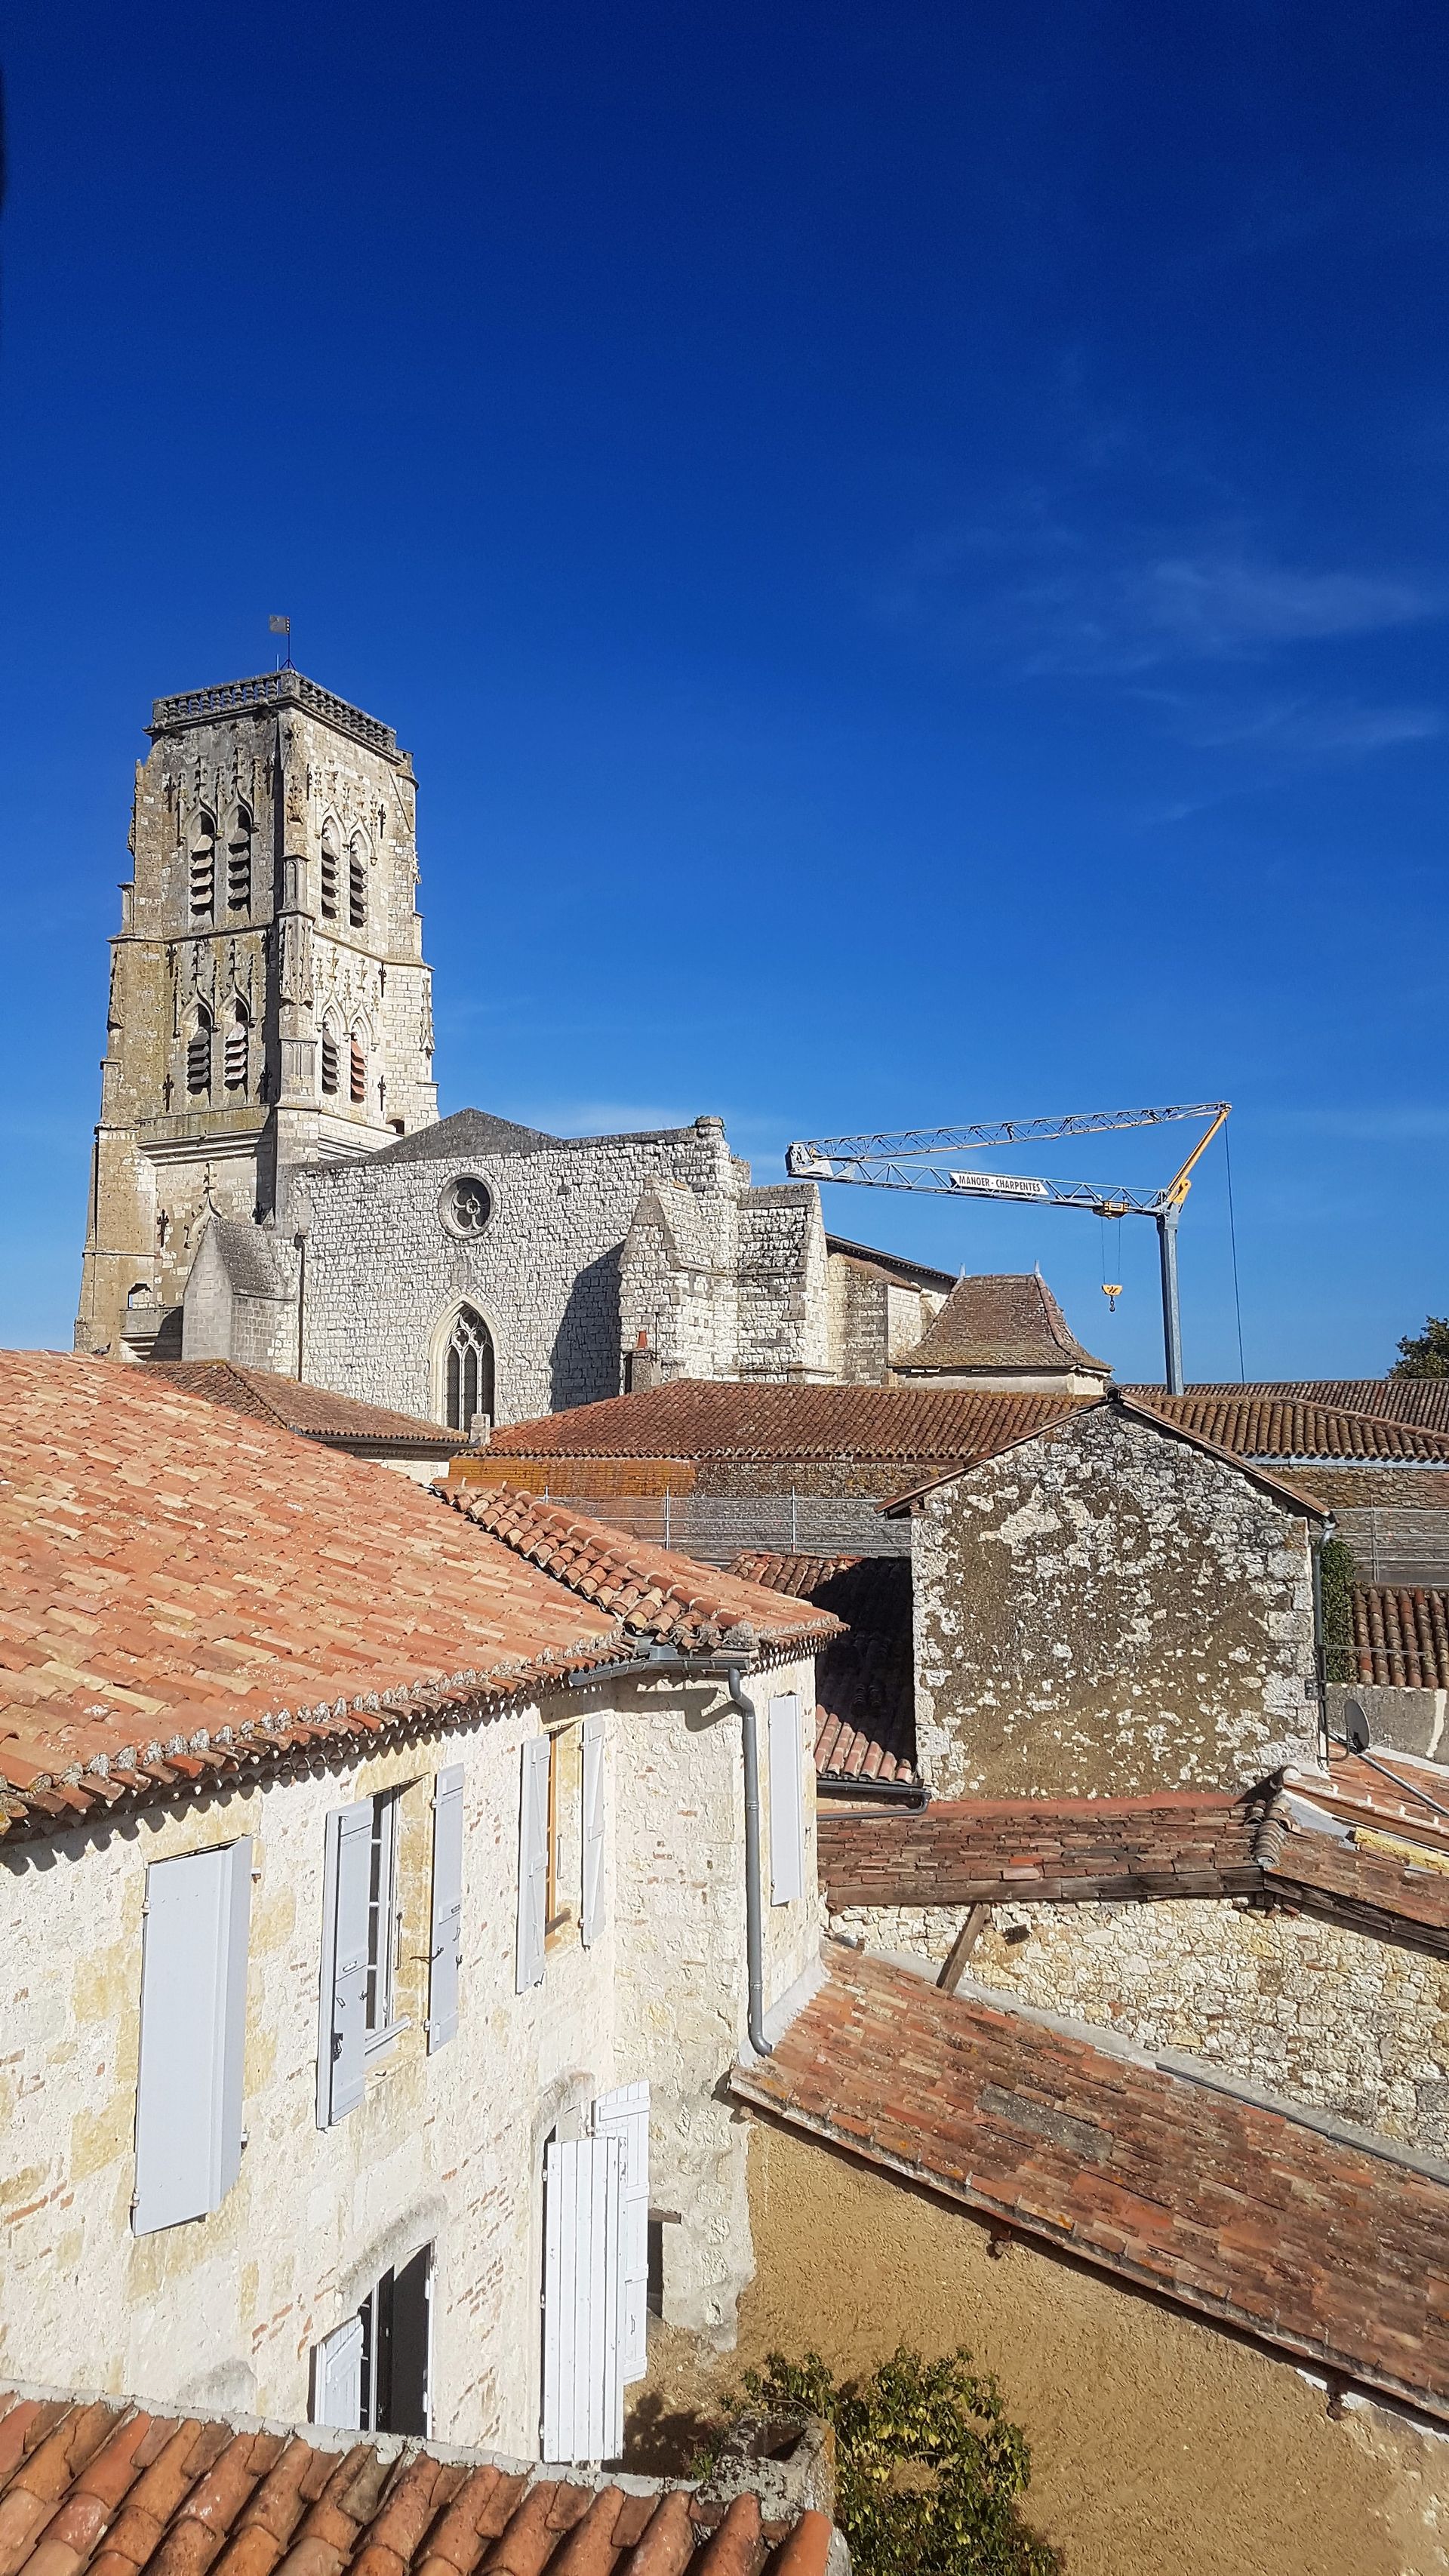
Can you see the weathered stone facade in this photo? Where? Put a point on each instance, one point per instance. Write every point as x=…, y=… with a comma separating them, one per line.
x=1108, y=1609
x=269, y=1004
x=445, y=2149
x=1292, y=2006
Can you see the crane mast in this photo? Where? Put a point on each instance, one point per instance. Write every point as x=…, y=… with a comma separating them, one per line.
x=924, y=1158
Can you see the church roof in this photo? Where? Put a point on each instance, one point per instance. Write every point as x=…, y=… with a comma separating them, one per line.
x=468, y=1131
x=1007, y=1320
x=895, y=1266
x=251, y=1255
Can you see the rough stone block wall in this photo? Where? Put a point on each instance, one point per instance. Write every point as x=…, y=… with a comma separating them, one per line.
x=783, y=1287
x=1295, y=2006
x=1104, y=1611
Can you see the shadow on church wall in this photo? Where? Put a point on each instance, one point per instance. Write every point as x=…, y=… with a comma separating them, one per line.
x=586, y=1361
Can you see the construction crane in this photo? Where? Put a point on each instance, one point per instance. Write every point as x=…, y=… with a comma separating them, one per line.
x=924, y=1158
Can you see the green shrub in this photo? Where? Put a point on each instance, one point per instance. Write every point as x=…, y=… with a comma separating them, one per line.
x=1335, y=1580
x=928, y=2469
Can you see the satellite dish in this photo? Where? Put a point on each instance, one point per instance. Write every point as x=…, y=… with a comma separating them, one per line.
x=1355, y=1727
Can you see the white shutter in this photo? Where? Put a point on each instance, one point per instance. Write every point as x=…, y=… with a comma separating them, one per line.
x=787, y=1802
x=337, y=2377
x=593, y=1827
x=533, y=1862
x=193, y=2034
x=447, y=1947
x=342, y=2012
x=625, y=2114
x=583, y=2386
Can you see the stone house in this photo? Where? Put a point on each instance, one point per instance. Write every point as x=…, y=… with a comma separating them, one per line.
x=379, y=1919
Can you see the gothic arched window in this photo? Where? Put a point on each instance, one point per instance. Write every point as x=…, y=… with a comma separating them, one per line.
x=198, y=1052
x=330, y=1059
x=235, y=1050
x=357, y=1070
x=357, y=886
x=239, y=862
x=468, y=1371
x=203, y=867
x=331, y=869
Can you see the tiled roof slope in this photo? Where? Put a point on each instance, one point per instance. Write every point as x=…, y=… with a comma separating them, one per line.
x=1401, y=1635
x=865, y=1700
x=1424, y=1400
x=1009, y=1320
x=1273, y=1426
x=895, y=1266
x=1305, y=2241
x=311, y=1410
x=182, y=1589
x=650, y=1590
x=126, y=2490
x=719, y=1418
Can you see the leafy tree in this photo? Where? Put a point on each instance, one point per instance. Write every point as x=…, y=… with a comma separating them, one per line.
x=928, y=2468
x=1425, y=1354
x=1335, y=1579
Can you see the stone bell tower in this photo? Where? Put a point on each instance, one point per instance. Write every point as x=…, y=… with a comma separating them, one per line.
x=269, y=1004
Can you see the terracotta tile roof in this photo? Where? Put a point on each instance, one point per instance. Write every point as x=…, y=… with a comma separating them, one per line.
x=314, y=1411
x=1009, y=1320
x=184, y=1591
x=1324, y=1848
x=1401, y=1635
x=865, y=1699
x=1424, y=1400
x=721, y=1419
x=108, y=2484
x=1271, y=1426
x=650, y=1590
x=1308, y=2242
x=1268, y=1480
x=1385, y=1791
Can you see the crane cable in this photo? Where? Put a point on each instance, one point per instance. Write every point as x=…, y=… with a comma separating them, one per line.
x=1233, y=1241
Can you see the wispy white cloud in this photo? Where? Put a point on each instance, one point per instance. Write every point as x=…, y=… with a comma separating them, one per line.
x=1304, y=726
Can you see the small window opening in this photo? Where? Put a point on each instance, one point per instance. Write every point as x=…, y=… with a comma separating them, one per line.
x=469, y=1371
x=330, y=1067
x=331, y=865
x=398, y=1126
x=357, y=890
x=239, y=863
x=203, y=868
x=198, y=1054
x=236, y=1050
x=357, y=1072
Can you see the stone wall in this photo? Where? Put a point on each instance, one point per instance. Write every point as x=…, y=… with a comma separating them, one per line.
x=1294, y=2006
x=1107, y=1610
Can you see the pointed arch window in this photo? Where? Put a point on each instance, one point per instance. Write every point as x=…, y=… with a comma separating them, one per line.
x=357, y=1069
x=198, y=1052
x=239, y=863
x=235, y=1050
x=203, y=867
x=331, y=1061
x=357, y=886
x=331, y=870
x=468, y=1371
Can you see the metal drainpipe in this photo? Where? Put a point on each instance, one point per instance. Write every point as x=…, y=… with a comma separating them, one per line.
x=754, y=1927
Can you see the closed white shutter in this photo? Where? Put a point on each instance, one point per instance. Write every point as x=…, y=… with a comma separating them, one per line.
x=624, y=2114
x=583, y=2386
x=342, y=2012
x=533, y=1863
x=447, y=1947
x=787, y=1802
x=337, y=2377
x=193, y=2035
x=593, y=1828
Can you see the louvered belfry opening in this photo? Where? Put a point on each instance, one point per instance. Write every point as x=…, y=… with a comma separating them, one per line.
x=329, y=1060
x=469, y=1371
x=357, y=888
x=331, y=869
x=239, y=863
x=357, y=1072
x=198, y=1054
x=203, y=868
x=236, y=1049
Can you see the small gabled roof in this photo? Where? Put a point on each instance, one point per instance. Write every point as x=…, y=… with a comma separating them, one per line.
x=468, y=1131
x=1296, y=1496
x=314, y=1412
x=1001, y=1320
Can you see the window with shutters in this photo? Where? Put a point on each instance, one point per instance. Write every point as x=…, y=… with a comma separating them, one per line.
x=331, y=870
x=235, y=1050
x=203, y=867
x=239, y=863
x=371, y=2375
x=357, y=2010
x=198, y=1052
x=787, y=1800
x=189, y=2082
x=357, y=886
x=378, y=2015
x=330, y=1059
x=357, y=1070
x=468, y=1371
x=446, y=1948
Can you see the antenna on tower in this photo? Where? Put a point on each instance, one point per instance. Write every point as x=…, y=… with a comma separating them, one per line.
x=283, y=626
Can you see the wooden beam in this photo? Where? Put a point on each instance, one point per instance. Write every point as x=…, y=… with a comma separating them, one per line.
x=954, y=1967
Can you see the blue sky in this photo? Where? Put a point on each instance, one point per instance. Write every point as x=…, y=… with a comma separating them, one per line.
x=907, y=543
